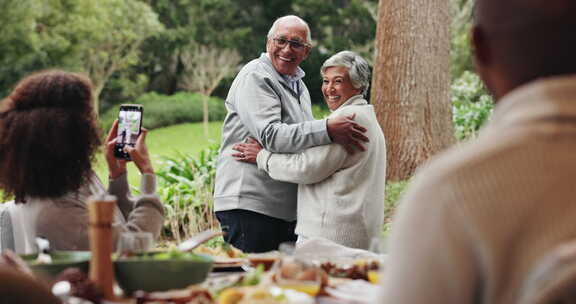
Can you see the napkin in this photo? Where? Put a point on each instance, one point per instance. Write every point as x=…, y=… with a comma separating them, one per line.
x=330, y=250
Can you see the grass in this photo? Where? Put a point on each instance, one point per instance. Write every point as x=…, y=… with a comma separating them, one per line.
x=168, y=141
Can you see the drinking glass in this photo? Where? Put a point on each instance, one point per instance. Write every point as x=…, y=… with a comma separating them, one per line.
x=291, y=273
x=133, y=242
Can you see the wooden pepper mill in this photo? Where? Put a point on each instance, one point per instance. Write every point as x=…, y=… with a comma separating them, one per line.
x=101, y=213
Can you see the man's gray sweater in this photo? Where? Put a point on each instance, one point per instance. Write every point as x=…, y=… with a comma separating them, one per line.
x=261, y=104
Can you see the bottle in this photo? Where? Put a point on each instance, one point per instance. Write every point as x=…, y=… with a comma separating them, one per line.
x=100, y=215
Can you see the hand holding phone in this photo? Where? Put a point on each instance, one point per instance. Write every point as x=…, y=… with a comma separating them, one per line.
x=129, y=126
x=139, y=153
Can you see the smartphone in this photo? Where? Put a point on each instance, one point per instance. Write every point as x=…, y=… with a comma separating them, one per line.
x=129, y=126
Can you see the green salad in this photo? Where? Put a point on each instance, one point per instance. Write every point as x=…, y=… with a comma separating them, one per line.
x=167, y=255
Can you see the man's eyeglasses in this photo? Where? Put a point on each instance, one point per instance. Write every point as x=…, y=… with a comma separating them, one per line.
x=294, y=44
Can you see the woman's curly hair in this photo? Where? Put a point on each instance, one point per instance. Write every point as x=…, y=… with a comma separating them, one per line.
x=48, y=135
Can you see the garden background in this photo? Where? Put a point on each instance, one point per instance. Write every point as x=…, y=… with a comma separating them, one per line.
x=178, y=59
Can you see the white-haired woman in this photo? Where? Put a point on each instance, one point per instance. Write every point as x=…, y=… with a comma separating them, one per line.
x=340, y=195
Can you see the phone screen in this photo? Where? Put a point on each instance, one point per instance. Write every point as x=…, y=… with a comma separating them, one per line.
x=129, y=124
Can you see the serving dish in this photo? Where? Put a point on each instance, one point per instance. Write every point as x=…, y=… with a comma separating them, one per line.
x=60, y=261
x=158, y=271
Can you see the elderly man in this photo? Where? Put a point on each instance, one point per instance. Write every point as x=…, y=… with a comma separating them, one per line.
x=269, y=101
x=478, y=218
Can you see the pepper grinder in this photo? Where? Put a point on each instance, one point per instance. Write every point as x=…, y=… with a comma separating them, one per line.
x=101, y=213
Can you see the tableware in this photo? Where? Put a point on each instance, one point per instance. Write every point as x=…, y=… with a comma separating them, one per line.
x=101, y=210
x=290, y=273
x=161, y=271
x=198, y=239
x=228, y=265
x=43, y=251
x=356, y=291
x=129, y=242
x=266, y=259
x=263, y=294
x=60, y=261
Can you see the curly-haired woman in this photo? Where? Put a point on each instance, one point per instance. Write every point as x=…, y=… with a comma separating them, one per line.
x=48, y=138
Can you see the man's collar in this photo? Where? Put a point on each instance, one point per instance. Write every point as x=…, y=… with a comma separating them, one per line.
x=540, y=99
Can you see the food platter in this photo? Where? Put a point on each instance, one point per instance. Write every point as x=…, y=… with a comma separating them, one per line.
x=280, y=278
x=226, y=257
x=230, y=264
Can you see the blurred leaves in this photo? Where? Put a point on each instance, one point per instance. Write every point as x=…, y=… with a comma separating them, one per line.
x=472, y=106
x=94, y=37
x=166, y=110
x=461, y=55
x=186, y=186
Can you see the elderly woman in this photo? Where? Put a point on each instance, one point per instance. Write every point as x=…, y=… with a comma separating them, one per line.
x=340, y=195
x=48, y=138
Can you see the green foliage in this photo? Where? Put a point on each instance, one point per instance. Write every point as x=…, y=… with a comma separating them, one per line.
x=112, y=45
x=472, y=106
x=161, y=110
x=461, y=54
x=21, y=42
x=121, y=44
x=123, y=85
x=394, y=191
x=94, y=37
x=320, y=111
x=213, y=23
x=186, y=186
x=338, y=26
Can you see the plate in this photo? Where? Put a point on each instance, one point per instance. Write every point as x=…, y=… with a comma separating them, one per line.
x=358, y=291
x=60, y=261
x=228, y=264
x=267, y=259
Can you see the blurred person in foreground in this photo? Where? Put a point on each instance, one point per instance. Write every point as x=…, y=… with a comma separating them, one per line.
x=18, y=285
x=340, y=195
x=269, y=101
x=18, y=288
x=478, y=218
x=48, y=140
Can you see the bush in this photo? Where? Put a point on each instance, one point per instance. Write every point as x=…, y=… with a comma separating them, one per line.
x=394, y=191
x=471, y=105
x=320, y=112
x=166, y=110
x=185, y=186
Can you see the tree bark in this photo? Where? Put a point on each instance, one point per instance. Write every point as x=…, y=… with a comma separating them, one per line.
x=97, y=89
x=205, y=114
x=411, y=83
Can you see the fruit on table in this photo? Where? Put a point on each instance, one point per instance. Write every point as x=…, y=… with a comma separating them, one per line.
x=250, y=295
x=310, y=289
x=231, y=296
x=373, y=277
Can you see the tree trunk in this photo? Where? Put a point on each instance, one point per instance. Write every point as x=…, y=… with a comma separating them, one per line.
x=97, y=89
x=205, y=113
x=410, y=88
